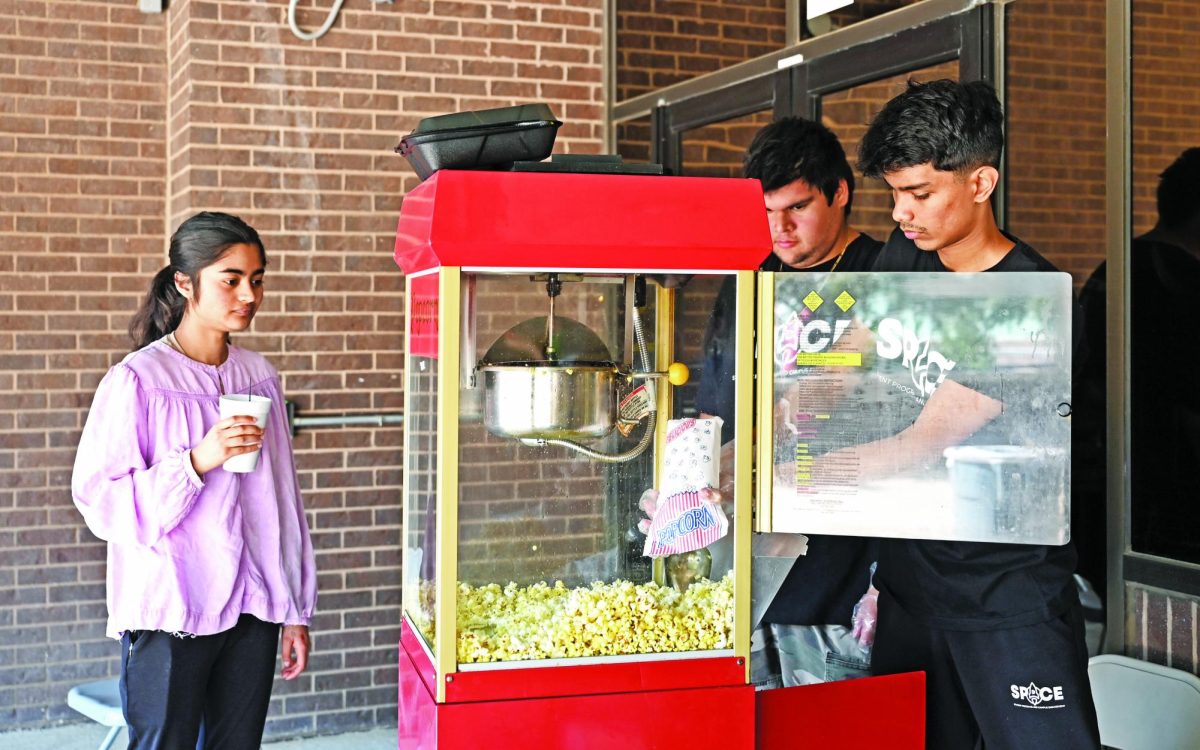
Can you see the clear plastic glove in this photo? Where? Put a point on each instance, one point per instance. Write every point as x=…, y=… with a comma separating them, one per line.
x=864, y=618
x=649, y=505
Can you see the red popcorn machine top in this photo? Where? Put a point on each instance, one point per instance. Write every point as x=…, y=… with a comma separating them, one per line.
x=546, y=351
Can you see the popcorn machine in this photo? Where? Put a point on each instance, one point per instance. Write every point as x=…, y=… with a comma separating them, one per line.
x=543, y=363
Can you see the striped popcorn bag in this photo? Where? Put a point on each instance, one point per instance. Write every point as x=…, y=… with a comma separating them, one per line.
x=689, y=514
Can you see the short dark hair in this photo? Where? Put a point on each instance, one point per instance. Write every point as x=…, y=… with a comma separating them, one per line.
x=794, y=148
x=1179, y=190
x=953, y=126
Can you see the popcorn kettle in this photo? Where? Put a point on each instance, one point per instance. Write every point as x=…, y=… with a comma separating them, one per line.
x=551, y=380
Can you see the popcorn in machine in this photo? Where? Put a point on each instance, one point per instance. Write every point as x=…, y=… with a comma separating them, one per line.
x=545, y=363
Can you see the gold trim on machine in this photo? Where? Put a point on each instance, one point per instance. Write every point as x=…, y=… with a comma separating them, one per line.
x=743, y=436
x=449, y=330
x=664, y=354
x=766, y=402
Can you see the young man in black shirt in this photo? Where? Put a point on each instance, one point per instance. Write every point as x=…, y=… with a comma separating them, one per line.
x=996, y=627
x=808, y=186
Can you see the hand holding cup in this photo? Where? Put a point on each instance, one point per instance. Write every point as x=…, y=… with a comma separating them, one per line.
x=236, y=440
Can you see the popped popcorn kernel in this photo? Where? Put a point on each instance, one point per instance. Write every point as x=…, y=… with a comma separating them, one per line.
x=543, y=621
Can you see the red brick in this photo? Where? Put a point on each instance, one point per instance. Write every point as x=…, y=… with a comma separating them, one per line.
x=258, y=125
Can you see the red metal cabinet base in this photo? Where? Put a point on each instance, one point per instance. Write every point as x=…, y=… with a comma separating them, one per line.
x=872, y=712
x=663, y=713
x=681, y=719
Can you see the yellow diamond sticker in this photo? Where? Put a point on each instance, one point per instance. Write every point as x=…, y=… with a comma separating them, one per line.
x=844, y=301
x=813, y=301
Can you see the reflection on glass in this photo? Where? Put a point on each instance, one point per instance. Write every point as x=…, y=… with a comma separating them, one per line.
x=1164, y=269
x=420, y=495
x=634, y=140
x=717, y=150
x=550, y=558
x=695, y=306
x=1164, y=273
x=1164, y=413
x=858, y=357
x=659, y=44
x=847, y=113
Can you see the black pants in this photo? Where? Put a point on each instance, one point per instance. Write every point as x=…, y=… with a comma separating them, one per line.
x=170, y=685
x=1014, y=689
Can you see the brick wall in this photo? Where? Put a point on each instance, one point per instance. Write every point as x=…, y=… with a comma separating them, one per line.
x=115, y=125
x=1056, y=131
x=717, y=150
x=82, y=180
x=1166, y=96
x=1161, y=627
x=660, y=42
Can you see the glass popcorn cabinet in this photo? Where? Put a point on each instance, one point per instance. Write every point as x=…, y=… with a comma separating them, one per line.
x=550, y=341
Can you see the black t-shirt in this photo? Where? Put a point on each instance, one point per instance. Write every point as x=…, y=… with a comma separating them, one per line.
x=902, y=255
x=824, y=584
x=973, y=585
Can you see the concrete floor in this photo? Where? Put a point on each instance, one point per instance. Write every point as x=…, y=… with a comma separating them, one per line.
x=88, y=737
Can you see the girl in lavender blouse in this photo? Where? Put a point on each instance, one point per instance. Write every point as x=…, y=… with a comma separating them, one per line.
x=204, y=566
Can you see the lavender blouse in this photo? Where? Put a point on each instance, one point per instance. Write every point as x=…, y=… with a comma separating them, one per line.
x=189, y=553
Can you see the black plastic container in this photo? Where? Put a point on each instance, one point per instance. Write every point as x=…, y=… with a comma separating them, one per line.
x=484, y=139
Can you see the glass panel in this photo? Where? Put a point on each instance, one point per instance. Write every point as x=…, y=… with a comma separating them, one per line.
x=634, y=140
x=862, y=358
x=717, y=150
x=420, y=481
x=1164, y=274
x=706, y=341
x=659, y=43
x=847, y=114
x=550, y=558
x=1055, y=188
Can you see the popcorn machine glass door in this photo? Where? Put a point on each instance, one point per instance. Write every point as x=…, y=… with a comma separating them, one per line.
x=917, y=405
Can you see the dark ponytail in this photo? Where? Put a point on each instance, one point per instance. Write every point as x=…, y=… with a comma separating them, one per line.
x=198, y=243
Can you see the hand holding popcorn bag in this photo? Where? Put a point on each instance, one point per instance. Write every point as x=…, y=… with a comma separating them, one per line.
x=688, y=515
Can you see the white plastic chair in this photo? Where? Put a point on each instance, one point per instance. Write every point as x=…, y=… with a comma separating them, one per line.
x=1144, y=706
x=101, y=702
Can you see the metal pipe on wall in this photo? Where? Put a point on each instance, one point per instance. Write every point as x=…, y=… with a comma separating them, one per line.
x=380, y=419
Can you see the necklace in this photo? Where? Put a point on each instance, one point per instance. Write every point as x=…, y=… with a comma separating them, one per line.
x=845, y=245
x=173, y=342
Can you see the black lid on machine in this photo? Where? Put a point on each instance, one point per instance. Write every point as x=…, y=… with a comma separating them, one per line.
x=505, y=138
x=482, y=139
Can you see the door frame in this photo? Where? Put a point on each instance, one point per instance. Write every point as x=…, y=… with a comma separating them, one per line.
x=798, y=83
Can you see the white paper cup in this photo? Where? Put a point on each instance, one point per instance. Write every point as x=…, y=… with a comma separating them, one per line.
x=236, y=404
